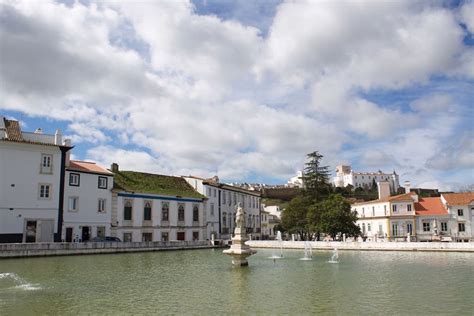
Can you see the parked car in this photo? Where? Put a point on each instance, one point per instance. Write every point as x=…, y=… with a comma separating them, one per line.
x=106, y=238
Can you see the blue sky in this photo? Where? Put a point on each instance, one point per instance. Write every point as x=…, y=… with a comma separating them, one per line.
x=245, y=89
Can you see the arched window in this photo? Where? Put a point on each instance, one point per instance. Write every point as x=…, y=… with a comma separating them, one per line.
x=147, y=211
x=195, y=213
x=127, y=211
x=165, y=212
x=181, y=213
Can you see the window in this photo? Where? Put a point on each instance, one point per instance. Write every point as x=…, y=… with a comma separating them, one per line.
x=147, y=212
x=147, y=236
x=165, y=211
x=181, y=236
x=385, y=209
x=195, y=213
x=363, y=228
x=74, y=179
x=127, y=237
x=461, y=227
x=102, y=183
x=212, y=209
x=368, y=227
x=100, y=231
x=230, y=198
x=408, y=207
x=215, y=193
x=224, y=219
x=73, y=204
x=426, y=227
x=127, y=211
x=373, y=210
x=180, y=213
x=209, y=192
x=409, y=228
x=195, y=235
x=46, y=163
x=380, y=229
x=395, y=230
x=101, y=206
x=394, y=208
x=44, y=191
x=164, y=236
x=444, y=226
x=224, y=198
x=460, y=212
x=235, y=199
x=363, y=212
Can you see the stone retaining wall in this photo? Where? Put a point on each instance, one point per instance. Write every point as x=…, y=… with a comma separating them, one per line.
x=63, y=249
x=380, y=246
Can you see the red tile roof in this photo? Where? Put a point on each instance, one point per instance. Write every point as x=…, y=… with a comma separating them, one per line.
x=86, y=166
x=459, y=198
x=406, y=197
x=13, y=130
x=430, y=206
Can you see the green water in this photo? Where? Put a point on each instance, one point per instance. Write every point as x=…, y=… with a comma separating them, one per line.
x=203, y=282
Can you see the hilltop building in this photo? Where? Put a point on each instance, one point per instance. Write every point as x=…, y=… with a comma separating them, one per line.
x=346, y=176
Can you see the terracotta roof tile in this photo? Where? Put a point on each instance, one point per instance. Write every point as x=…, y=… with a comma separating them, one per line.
x=459, y=198
x=86, y=166
x=13, y=130
x=430, y=206
x=396, y=198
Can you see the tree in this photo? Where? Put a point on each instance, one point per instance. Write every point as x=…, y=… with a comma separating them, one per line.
x=316, y=177
x=294, y=218
x=336, y=217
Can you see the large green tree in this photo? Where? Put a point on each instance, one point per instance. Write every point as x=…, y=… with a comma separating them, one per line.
x=316, y=177
x=336, y=217
x=294, y=218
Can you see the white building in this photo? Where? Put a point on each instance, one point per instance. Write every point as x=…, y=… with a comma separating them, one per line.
x=433, y=222
x=346, y=176
x=152, y=207
x=31, y=184
x=221, y=207
x=461, y=208
x=389, y=217
x=88, y=201
x=273, y=210
x=296, y=181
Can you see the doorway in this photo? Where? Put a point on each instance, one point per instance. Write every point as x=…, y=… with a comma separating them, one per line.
x=86, y=233
x=69, y=234
x=180, y=236
x=30, y=231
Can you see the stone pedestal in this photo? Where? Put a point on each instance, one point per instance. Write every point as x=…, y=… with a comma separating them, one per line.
x=239, y=250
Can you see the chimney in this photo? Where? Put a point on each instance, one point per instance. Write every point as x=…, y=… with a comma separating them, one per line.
x=407, y=186
x=383, y=189
x=58, y=138
x=67, y=142
x=114, y=167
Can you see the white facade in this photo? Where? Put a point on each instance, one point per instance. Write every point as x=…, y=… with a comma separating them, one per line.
x=162, y=222
x=221, y=207
x=390, y=218
x=87, y=202
x=460, y=207
x=30, y=173
x=296, y=181
x=346, y=176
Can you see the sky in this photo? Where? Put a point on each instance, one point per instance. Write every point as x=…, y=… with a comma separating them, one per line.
x=245, y=89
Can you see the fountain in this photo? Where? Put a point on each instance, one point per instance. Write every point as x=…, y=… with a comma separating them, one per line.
x=334, y=257
x=280, y=243
x=308, y=251
x=239, y=250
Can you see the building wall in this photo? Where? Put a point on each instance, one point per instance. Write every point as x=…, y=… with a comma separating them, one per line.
x=87, y=214
x=137, y=226
x=20, y=176
x=423, y=235
x=467, y=219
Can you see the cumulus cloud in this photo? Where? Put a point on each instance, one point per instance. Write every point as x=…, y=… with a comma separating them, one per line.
x=188, y=93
